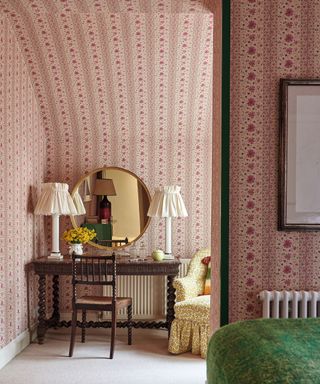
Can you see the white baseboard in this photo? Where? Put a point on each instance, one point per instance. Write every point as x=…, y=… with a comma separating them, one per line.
x=17, y=345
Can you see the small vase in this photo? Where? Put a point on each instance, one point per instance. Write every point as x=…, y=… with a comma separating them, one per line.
x=76, y=248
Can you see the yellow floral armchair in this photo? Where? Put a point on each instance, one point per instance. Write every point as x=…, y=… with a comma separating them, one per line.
x=190, y=328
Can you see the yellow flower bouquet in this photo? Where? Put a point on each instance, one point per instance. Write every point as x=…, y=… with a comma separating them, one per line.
x=80, y=235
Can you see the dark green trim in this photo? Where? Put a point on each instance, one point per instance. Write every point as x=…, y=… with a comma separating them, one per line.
x=225, y=141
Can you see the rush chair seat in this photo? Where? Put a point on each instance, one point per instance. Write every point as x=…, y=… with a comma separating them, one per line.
x=97, y=271
x=190, y=329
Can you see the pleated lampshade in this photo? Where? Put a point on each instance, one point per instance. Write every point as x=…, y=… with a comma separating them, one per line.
x=81, y=210
x=55, y=200
x=167, y=202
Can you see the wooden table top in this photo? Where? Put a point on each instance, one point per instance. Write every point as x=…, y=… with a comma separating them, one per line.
x=126, y=265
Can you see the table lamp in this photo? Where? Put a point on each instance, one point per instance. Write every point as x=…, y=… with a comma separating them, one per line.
x=104, y=187
x=167, y=202
x=54, y=201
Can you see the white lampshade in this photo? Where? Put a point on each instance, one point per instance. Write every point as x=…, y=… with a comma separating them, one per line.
x=55, y=200
x=81, y=210
x=167, y=202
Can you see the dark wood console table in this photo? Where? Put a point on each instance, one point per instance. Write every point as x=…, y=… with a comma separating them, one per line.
x=44, y=267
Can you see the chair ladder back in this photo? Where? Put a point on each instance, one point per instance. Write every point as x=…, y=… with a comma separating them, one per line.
x=94, y=270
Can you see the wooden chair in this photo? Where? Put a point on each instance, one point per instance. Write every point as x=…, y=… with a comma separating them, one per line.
x=97, y=270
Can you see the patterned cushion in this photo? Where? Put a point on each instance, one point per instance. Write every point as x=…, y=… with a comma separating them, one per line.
x=207, y=284
x=196, y=309
x=192, y=285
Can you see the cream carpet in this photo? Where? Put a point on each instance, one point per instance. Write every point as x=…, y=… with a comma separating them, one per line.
x=147, y=361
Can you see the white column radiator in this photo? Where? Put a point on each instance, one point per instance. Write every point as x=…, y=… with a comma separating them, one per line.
x=149, y=294
x=290, y=304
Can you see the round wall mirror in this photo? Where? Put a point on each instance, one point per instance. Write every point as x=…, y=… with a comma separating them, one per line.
x=114, y=202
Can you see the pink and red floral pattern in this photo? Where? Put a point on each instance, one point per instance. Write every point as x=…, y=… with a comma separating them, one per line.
x=22, y=164
x=269, y=40
x=122, y=83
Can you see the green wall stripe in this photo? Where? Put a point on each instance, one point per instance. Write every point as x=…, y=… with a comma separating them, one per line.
x=225, y=141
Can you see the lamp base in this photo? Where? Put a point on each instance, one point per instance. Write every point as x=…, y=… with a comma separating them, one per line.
x=168, y=256
x=55, y=256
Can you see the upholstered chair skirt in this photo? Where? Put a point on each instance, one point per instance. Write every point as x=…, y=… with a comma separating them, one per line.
x=191, y=326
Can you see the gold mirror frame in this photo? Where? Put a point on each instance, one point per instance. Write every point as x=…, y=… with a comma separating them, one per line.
x=76, y=187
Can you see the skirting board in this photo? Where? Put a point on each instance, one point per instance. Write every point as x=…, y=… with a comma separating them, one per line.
x=16, y=346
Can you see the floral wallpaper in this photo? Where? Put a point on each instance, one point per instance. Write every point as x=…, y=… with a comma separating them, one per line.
x=22, y=164
x=128, y=84
x=269, y=40
x=146, y=106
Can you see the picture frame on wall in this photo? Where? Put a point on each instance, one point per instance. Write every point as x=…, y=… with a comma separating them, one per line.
x=299, y=176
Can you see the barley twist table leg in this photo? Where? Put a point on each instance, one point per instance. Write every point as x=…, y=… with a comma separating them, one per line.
x=41, y=330
x=171, y=296
x=130, y=324
x=55, y=290
x=83, y=326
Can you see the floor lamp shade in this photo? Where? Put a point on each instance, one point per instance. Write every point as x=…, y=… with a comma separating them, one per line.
x=54, y=201
x=167, y=202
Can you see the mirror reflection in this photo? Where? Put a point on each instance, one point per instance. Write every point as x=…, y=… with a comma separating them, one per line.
x=114, y=202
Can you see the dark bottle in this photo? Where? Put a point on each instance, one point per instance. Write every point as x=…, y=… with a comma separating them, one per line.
x=105, y=209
